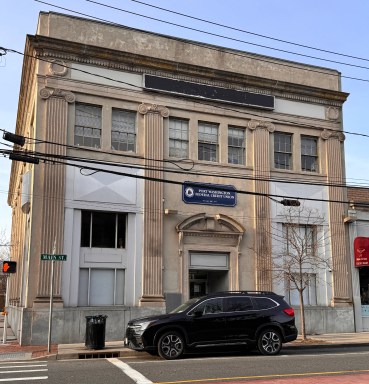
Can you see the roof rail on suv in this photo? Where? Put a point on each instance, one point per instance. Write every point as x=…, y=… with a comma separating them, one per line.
x=243, y=293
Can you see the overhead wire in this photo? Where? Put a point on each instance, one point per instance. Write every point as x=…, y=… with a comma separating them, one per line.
x=55, y=159
x=208, y=104
x=198, y=101
x=211, y=47
x=183, y=171
x=222, y=36
x=244, y=31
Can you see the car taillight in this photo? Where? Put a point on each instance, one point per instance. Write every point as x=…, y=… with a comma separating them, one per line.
x=289, y=311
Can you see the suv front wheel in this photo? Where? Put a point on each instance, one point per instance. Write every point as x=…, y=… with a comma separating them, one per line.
x=171, y=345
x=269, y=342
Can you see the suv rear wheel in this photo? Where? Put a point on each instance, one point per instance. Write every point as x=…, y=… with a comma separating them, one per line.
x=269, y=342
x=171, y=345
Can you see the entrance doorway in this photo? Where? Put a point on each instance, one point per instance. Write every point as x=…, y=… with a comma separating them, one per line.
x=203, y=282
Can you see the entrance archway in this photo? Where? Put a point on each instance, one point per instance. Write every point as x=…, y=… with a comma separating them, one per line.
x=209, y=247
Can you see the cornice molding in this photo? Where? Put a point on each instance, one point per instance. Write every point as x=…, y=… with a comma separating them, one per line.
x=107, y=58
x=222, y=235
x=223, y=84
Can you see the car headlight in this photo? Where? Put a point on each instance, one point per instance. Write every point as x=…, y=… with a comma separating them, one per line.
x=140, y=327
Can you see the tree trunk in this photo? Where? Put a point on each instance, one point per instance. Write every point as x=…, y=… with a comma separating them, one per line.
x=302, y=315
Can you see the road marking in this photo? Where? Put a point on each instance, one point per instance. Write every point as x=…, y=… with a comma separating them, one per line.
x=287, y=375
x=23, y=366
x=130, y=372
x=21, y=362
x=24, y=370
x=25, y=378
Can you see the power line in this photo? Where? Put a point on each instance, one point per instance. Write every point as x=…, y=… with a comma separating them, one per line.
x=188, y=213
x=249, y=113
x=209, y=46
x=222, y=36
x=247, y=32
x=55, y=159
x=181, y=170
x=214, y=105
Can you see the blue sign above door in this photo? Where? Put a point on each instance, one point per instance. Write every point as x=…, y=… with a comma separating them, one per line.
x=209, y=194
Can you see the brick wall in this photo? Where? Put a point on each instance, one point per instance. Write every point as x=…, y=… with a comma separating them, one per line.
x=358, y=195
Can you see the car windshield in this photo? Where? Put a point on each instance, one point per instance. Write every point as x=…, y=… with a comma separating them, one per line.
x=185, y=305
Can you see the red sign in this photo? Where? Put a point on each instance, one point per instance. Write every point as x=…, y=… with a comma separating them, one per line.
x=361, y=250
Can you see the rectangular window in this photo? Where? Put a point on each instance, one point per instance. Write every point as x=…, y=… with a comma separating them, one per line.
x=301, y=240
x=178, y=138
x=236, y=145
x=208, y=141
x=309, y=293
x=103, y=230
x=301, y=255
x=87, y=130
x=309, y=154
x=123, y=130
x=282, y=150
x=99, y=287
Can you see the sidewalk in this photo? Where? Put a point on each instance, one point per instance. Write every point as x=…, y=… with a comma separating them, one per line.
x=13, y=351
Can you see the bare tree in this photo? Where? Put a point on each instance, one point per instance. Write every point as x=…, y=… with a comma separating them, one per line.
x=300, y=257
x=4, y=246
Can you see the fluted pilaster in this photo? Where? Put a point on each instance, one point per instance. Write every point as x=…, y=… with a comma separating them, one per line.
x=262, y=204
x=53, y=187
x=341, y=275
x=152, y=292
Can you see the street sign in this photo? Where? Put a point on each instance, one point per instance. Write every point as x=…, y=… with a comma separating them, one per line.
x=49, y=257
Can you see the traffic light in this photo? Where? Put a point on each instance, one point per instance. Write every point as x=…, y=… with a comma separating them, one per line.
x=13, y=138
x=9, y=266
x=290, y=203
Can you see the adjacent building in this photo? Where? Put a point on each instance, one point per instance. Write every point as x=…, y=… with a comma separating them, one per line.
x=358, y=222
x=163, y=163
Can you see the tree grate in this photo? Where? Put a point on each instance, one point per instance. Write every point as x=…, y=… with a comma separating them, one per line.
x=98, y=355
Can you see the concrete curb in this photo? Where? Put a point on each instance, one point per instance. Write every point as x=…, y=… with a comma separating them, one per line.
x=81, y=352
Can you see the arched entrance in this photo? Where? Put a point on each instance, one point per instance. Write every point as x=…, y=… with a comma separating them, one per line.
x=209, y=247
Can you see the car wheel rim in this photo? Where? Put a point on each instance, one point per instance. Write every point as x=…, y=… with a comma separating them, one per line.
x=172, y=346
x=270, y=342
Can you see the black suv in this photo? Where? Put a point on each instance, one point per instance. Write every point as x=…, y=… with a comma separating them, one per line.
x=256, y=318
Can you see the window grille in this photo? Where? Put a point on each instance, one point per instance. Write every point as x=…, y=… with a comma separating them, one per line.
x=87, y=130
x=236, y=145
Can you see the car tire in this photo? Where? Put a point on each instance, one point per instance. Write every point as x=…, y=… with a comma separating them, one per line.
x=269, y=342
x=171, y=345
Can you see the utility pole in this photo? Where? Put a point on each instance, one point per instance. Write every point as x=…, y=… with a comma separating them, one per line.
x=5, y=309
x=51, y=299
x=8, y=268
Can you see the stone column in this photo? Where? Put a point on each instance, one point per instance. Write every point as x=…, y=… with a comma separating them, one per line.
x=263, y=246
x=340, y=260
x=53, y=188
x=152, y=284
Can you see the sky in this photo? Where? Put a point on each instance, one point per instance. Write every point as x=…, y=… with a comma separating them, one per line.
x=337, y=26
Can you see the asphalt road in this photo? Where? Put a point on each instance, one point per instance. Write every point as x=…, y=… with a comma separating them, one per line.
x=339, y=365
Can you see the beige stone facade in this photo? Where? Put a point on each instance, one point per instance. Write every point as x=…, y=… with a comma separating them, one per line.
x=173, y=249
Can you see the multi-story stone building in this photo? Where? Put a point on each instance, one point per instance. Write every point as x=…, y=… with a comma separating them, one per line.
x=163, y=162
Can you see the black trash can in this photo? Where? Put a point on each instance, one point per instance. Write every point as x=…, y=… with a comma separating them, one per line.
x=95, y=331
